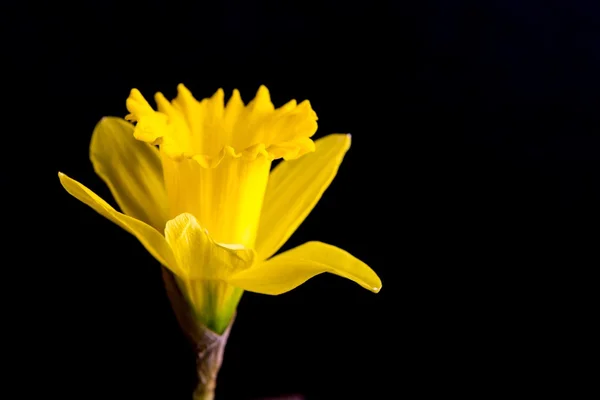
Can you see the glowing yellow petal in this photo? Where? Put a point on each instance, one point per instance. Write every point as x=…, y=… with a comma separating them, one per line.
x=190, y=108
x=292, y=149
x=291, y=123
x=260, y=122
x=234, y=108
x=294, y=189
x=292, y=268
x=208, y=131
x=206, y=266
x=154, y=127
x=137, y=106
x=199, y=256
x=131, y=169
x=261, y=105
x=180, y=134
x=227, y=199
x=152, y=240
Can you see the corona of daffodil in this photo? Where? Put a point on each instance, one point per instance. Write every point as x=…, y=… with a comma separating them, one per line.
x=194, y=183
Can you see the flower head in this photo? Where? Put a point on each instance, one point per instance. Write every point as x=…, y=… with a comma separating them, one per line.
x=194, y=182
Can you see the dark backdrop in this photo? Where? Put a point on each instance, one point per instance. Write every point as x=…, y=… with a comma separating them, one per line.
x=471, y=188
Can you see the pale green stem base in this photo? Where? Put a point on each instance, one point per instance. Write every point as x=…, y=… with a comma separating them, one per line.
x=209, y=358
x=209, y=345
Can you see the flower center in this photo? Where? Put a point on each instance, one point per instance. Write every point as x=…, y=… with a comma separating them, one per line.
x=217, y=157
x=208, y=130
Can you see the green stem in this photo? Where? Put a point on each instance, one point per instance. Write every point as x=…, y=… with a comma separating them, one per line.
x=209, y=345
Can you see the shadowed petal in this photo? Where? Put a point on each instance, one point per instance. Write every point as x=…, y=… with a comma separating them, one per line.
x=131, y=169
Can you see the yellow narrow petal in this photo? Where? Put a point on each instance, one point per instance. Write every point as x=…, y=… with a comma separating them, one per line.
x=212, y=135
x=207, y=265
x=190, y=108
x=137, y=106
x=247, y=130
x=292, y=268
x=180, y=133
x=293, y=190
x=158, y=128
x=261, y=105
x=153, y=128
x=233, y=110
x=131, y=169
x=152, y=240
x=216, y=106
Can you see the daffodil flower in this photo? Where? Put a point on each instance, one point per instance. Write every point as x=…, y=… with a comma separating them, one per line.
x=195, y=186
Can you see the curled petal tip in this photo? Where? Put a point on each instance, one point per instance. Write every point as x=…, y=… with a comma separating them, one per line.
x=263, y=92
x=182, y=89
x=376, y=289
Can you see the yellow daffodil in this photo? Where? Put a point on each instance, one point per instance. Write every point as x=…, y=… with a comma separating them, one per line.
x=195, y=186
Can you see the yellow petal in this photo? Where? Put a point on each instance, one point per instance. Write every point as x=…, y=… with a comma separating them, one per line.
x=207, y=265
x=199, y=255
x=180, y=135
x=137, y=106
x=233, y=109
x=261, y=105
x=226, y=198
x=153, y=129
x=293, y=190
x=131, y=169
x=157, y=127
x=293, y=149
x=190, y=108
x=292, y=268
x=152, y=240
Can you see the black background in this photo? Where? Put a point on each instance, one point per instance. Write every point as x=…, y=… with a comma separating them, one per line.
x=471, y=188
